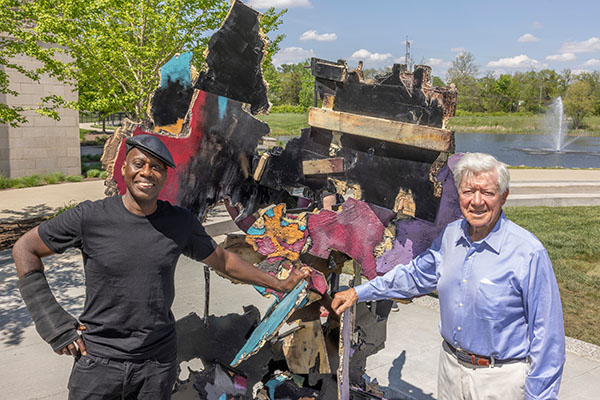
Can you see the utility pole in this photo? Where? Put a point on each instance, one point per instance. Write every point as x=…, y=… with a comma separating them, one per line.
x=406, y=52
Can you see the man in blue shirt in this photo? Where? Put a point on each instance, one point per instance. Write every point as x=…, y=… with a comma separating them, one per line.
x=500, y=308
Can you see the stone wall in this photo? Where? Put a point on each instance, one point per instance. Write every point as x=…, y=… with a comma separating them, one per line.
x=41, y=145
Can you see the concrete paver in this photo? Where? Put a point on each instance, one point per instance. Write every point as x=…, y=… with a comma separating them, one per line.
x=45, y=200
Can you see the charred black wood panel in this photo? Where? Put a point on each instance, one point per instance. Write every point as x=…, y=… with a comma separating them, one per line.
x=388, y=149
x=221, y=168
x=328, y=70
x=389, y=102
x=235, y=55
x=170, y=103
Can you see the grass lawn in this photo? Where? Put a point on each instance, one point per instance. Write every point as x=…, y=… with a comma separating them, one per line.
x=285, y=123
x=523, y=124
x=572, y=237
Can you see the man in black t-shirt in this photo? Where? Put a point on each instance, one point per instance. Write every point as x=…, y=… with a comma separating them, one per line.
x=130, y=246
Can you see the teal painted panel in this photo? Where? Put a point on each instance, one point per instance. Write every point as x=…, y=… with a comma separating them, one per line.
x=270, y=324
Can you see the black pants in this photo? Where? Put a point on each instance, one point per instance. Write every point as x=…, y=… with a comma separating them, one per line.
x=96, y=378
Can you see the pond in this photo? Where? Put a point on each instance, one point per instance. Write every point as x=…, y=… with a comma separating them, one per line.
x=532, y=150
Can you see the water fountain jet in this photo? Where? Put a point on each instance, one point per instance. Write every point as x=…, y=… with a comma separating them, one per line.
x=556, y=126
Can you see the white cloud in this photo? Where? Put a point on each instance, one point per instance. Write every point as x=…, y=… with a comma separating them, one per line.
x=521, y=61
x=562, y=57
x=437, y=62
x=279, y=3
x=367, y=56
x=528, y=37
x=587, y=46
x=313, y=35
x=592, y=62
x=292, y=55
x=458, y=50
x=537, y=24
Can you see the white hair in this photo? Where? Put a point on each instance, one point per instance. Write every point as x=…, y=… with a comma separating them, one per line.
x=477, y=163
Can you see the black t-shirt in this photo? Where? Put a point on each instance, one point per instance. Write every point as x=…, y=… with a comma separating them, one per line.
x=129, y=263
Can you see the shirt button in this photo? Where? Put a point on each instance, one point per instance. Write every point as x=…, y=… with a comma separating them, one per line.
x=468, y=258
x=458, y=328
x=464, y=281
x=460, y=304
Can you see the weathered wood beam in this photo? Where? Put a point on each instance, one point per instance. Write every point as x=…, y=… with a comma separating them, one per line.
x=323, y=166
x=424, y=137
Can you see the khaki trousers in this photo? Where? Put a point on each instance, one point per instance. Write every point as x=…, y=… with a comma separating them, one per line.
x=458, y=380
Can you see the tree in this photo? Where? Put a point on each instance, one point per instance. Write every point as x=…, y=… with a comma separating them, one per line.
x=593, y=80
x=578, y=102
x=463, y=68
x=463, y=73
x=297, y=84
x=17, y=39
x=437, y=81
x=118, y=46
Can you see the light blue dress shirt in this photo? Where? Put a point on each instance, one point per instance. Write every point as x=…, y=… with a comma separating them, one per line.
x=498, y=297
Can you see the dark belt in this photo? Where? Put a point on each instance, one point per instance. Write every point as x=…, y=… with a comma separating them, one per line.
x=476, y=359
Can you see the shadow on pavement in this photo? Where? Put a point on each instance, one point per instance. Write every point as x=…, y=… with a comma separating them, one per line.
x=399, y=389
x=29, y=212
x=66, y=279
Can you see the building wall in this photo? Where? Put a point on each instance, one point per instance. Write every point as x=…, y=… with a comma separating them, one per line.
x=41, y=145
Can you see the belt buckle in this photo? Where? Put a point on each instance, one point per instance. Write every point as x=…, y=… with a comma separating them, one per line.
x=479, y=361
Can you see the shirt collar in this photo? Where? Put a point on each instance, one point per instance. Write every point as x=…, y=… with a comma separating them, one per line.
x=493, y=240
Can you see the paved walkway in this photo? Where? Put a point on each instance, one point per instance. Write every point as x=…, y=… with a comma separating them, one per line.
x=406, y=368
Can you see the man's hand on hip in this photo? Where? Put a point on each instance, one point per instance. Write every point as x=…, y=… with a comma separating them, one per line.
x=75, y=347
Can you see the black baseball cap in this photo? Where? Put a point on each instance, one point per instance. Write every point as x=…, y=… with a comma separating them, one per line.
x=152, y=145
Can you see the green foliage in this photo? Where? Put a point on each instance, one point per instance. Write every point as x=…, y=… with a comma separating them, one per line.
x=17, y=40
x=578, y=102
x=114, y=48
x=87, y=166
x=30, y=181
x=437, y=81
x=93, y=173
x=291, y=84
x=54, y=178
x=287, y=108
x=74, y=178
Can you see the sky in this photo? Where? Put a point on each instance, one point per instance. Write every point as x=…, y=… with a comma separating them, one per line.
x=503, y=36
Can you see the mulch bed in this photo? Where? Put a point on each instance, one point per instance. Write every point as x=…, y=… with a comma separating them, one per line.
x=11, y=231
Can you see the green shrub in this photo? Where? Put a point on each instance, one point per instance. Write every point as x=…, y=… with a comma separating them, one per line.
x=85, y=167
x=74, y=178
x=103, y=174
x=32, y=180
x=56, y=177
x=5, y=182
x=93, y=173
x=287, y=108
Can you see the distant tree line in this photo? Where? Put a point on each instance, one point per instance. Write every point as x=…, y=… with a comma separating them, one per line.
x=528, y=92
